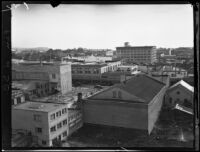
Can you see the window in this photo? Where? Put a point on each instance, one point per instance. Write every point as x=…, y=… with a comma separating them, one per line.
x=187, y=103
x=37, y=85
x=53, y=75
x=38, y=130
x=170, y=100
x=18, y=100
x=59, y=125
x=44, y=142
x=58, y=113
x=119, y=94
x=114, y=94
x=64, y=133
x=64, y=122
x=64, y=110
x=52, y=129
x=52, y=117
x=37, y=117
x=177, y=92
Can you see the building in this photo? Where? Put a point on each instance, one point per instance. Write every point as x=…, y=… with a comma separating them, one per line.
x=75, y=120
x=121, y=74
x=52, y=75
x=17, y=97
x=138, y=54
x=135, y=103
x=126, y=68
x=35, y=88
x=180, y=93
x=45, y=121
x=174, y=72
x=92, y=71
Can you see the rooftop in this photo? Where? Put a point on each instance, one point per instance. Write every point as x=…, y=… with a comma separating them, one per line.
x=26, y=84
x=57, y=98
x=143, y=86
x=37, y=106
x=121, y=47
x=172, y=68
x=36, y=67
x=183, y=84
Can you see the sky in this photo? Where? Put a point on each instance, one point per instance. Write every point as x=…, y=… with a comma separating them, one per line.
x=102, y=26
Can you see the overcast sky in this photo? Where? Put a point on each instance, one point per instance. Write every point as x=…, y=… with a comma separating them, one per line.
x=102, y=26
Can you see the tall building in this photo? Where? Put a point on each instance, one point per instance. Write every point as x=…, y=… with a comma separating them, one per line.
x=57, y=75
x=138, y=54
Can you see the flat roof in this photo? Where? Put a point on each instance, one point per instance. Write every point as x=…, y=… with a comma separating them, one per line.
x=37, y=106
x=123, y=47
x=26, y=84
x=56, y=98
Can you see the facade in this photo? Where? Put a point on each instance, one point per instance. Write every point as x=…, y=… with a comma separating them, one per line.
x=45, y=121
x=137, y=54
x=17, y=97
x=135, y=103
x=180, y=93
x=92, y=71
x=58, y=75
x=121, y=74
x=75, y=120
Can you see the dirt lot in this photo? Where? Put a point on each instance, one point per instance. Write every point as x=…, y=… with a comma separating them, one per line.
x=166, y=133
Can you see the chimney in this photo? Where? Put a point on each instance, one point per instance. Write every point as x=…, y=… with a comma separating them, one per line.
x=79, y=97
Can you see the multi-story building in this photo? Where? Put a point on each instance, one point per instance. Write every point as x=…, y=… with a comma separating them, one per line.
x=48, y=122
x=137, y=54
x=92, y=71
x=75, y=120
x=52, y=75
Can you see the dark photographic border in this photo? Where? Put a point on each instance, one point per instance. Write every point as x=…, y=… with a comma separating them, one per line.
x=6, y=73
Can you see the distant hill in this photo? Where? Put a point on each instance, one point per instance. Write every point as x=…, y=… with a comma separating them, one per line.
x=38, y=49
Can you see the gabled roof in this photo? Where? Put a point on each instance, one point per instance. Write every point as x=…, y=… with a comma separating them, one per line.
x=141, y=86
x=184, y=109
x=183, y=84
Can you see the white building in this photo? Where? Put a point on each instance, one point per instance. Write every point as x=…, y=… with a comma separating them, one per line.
x=181, y=94
x=45, y=121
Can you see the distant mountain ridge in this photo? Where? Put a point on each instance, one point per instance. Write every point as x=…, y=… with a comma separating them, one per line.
x=40, y=49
